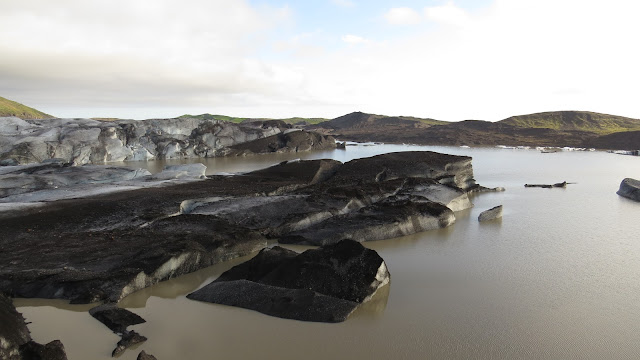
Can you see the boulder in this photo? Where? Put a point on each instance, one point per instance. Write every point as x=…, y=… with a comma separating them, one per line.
x=630, y=188
x=129, y=338
x=115, y=318
x=491, y=214
x=321, y=285
x=549, y=186
x=51, y=351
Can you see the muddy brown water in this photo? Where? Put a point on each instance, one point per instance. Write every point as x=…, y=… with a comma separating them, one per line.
x=557, y=278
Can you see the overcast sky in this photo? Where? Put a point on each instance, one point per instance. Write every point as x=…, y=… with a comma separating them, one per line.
x=444, y=59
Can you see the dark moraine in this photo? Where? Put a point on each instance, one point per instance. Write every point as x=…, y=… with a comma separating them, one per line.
x=106, y=247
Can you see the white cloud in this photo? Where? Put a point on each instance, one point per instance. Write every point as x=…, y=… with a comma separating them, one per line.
x=344, y=3
x=143, y=52
x=355, y=39
x=448, y=14
x=403, y=16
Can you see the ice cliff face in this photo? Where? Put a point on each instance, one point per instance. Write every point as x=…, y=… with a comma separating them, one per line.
x=85, y=141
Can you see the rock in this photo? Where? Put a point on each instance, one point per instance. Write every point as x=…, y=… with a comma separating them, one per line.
x=290, y=141
x=51, y=351
x=384, y=220
x=322, y=285
x=115, y=318
x=557, y=185
x=15, y=339
x=144, y=356
x=630, y=188
x=84, y=141
x=445, y=169
x=104, y=247
x=491, y=214
x=117, y=263
x=129, y=339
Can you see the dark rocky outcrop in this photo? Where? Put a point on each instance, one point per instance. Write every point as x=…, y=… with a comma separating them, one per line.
x=15, y=339
x=323, y=285
x=491, y=214
x=102, y=248
x=129, y=338
x=384, y=220
x=630, y=188
x=548, y=186
x=51, y=351
x=445, y=169
x=115, y=318
x=118, y=319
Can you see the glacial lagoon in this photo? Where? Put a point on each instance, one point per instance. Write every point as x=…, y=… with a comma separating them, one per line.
x=557, y=277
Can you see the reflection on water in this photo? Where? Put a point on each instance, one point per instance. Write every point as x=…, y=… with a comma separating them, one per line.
x=556, y=278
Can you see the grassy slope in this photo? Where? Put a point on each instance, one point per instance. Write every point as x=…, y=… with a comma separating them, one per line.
x=293, y=120
x=12, y=108
x=575, y=120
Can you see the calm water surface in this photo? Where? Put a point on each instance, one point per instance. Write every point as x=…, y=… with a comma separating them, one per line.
x=557, y=278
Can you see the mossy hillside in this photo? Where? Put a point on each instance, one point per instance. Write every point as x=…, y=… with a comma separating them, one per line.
x=12, y=108
x=575, y=120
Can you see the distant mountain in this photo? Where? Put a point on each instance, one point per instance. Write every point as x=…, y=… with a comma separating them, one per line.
x=12, y=108
x=575, y=120
x=513, y=131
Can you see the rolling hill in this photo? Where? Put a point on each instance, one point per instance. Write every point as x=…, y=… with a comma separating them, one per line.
x=575, y=120
x=561, y=128
x=12, y=108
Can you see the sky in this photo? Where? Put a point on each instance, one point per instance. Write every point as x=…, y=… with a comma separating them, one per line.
x=444, y=59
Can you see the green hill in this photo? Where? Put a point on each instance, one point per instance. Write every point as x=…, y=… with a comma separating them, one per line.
x=575, y=120
x=12, y=108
